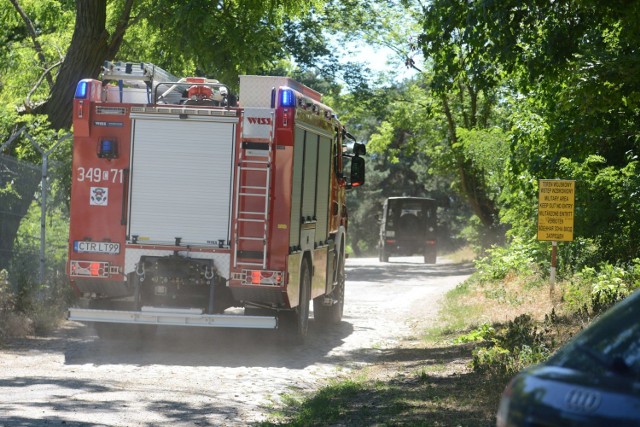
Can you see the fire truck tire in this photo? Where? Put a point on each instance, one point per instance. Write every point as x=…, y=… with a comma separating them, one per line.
x=294, y=325
x=332, y=314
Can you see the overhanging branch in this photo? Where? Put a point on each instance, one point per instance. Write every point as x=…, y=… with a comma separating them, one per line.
x=34, y=38
x=47, y=73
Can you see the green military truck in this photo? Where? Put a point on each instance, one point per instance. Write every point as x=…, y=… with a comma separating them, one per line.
x=408, y=227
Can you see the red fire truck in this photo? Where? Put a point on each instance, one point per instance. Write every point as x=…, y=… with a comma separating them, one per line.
x=193, y=207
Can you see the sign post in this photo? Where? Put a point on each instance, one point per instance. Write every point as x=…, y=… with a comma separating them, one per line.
x=556, y=208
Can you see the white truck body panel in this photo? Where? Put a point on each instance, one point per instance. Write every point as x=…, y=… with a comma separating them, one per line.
x=255, y=91
x=175, y=162
x=257, y=125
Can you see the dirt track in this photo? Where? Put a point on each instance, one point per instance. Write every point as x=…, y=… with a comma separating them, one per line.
x=197, y=377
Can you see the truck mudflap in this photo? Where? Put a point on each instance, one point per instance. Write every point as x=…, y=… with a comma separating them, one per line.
x=172, y=317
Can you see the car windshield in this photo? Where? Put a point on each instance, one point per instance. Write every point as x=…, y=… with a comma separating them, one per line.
x=410, y=214
x=610, y=345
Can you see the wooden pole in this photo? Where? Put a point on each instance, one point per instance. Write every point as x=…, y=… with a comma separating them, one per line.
x=554, y=260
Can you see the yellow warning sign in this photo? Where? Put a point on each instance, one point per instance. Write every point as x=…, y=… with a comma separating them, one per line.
x=556, y=206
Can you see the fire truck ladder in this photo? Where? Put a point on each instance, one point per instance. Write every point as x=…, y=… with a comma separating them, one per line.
x=252, y=170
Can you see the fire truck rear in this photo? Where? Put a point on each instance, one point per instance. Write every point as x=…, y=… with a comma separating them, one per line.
x=191, y=208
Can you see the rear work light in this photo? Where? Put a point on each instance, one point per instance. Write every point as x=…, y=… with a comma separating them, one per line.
x=262, y=277
x=108, y=148
x=287, y=98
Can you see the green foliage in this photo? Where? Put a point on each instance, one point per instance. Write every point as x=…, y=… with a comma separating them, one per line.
x=594, y=290
x=484, y=332
x=8, y=318
x=38, y=306
x=7, y=299
x=489, y=149
x=327, y=405
x=565, y=72
x=518, y=258
x=20, y=66
x=607, y=205
x=519, y=344
x=397, y=164
x=505, y=350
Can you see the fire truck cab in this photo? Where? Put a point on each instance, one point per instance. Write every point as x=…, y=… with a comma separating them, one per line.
x=193, y=207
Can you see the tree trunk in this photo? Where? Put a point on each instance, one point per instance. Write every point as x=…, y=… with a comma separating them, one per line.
x=24, y=179
x=88, y=50
x=476, y=194
x=90, y=47
x=472, y=184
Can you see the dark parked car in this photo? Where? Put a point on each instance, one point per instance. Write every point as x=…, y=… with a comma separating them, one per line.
x=594, y=380
x=408, y=226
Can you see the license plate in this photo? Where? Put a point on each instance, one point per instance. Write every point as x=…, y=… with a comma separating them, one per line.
x=96, y=247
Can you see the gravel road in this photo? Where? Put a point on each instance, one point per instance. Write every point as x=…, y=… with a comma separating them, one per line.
x=197, y=377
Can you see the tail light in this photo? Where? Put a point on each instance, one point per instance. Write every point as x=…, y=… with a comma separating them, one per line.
x=262, y=277
x=96, y=269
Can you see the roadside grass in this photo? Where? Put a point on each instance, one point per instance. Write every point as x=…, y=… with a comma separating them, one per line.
x=429, y=379
x=409, y=398
x=462, y=255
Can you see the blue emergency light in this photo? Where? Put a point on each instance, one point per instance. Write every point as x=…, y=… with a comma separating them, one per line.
x=287, y=98
x=82, y=89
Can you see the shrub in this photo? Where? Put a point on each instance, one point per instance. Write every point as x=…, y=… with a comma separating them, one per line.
x=517, y=258
x=11, y=322
x=510, y=349
x=7, y=302
x=596, y=289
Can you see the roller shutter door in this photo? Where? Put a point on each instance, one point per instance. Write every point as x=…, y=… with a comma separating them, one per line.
x=180, y=183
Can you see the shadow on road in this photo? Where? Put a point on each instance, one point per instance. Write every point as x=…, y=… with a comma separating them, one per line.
x=402, y=271
x=210, y=347
x=234, y=347
x=100, y=397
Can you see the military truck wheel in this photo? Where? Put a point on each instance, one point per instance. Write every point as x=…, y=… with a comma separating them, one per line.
x=429, y=256
x=383, y=255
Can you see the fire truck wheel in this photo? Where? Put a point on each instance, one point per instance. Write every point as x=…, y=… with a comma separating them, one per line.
x=294, y=325
x=332, y=314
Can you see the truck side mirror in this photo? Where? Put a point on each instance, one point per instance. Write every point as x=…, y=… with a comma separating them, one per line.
x=359, y=149
x=357, y=171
